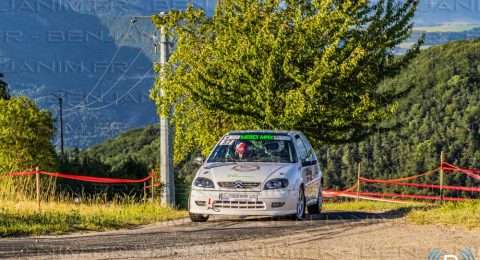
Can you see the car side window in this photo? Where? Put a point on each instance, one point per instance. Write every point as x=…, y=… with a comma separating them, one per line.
x=310, y=151
x=302, y=150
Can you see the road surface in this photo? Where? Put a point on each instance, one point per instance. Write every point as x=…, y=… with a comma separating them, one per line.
x=331, y=235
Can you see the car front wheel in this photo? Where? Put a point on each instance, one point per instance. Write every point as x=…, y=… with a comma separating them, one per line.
x=300, y=215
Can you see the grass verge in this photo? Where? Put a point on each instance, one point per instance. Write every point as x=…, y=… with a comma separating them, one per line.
x=21, y=218
x=455, y=214
x=370, y=206
x=452, y=214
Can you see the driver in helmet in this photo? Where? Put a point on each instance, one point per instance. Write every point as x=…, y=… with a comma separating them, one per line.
x=242, y=149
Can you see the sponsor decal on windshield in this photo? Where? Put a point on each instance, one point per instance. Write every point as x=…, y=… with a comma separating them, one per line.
x=230, y=139
x=227, y=141
x=282, y=138
x=256, y=137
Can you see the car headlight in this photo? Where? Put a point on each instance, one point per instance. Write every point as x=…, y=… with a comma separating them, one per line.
x=276, y=184
x=204, y=183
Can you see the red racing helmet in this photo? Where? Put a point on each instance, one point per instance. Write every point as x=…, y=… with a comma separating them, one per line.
x=241, y=148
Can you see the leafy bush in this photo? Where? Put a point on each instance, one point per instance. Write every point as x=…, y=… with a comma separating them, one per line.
x=25, y=143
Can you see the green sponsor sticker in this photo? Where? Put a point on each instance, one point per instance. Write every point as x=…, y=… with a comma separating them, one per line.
x=256, y=137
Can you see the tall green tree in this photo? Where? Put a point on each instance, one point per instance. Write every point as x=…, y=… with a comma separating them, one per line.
x=4, y=93
x=25, y=142
x=309, y=65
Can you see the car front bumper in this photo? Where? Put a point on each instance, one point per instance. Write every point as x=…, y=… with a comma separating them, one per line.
x=262, y=206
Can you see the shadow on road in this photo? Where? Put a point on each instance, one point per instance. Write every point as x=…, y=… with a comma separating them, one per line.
x=325, y=216
x=359, y=215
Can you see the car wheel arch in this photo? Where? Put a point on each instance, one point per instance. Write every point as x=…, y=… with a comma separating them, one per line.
x=299, y=184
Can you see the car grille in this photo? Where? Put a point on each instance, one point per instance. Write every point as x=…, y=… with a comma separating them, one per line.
x=239, y=204
x=246, y=185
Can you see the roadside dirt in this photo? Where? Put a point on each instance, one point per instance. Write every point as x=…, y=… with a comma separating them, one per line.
x=331, y=235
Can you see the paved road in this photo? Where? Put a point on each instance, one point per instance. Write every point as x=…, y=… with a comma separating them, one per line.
x=331, y=235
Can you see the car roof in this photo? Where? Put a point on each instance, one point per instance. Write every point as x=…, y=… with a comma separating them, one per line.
x=277, y=132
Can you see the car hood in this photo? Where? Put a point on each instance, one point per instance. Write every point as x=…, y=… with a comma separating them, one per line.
x=246, y=172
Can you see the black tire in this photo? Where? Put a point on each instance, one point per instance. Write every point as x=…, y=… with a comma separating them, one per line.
x=300, y=215
x=317, y=207
x=198, y=217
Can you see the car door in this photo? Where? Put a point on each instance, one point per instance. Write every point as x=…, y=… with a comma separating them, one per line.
x=307, y=169
x=314, y=182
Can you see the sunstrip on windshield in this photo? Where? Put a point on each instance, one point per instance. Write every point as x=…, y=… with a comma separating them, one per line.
x=232, y=137
x=282, y=137
x=229, y=139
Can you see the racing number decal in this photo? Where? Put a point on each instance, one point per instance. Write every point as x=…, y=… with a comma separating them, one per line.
x=227, y=142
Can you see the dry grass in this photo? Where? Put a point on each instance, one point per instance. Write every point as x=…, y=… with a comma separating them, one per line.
x=25, y=187
x=453, y=214
x=458, y=214
x=21, y=218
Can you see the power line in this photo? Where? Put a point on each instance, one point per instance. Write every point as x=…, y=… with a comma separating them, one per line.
x=121, y=97
x=60, y=105
x=117, y=81
x=106, y=70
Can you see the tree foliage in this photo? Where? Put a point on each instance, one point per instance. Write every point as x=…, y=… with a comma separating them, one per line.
x=25, y=135
x=4, y=92
x=139, y=144
x=440, y=114
x=25, y=143
x=273, y=64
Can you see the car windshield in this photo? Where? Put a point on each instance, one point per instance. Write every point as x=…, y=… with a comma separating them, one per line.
x=254, y=148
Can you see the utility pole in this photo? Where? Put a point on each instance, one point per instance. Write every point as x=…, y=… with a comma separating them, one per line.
x=166, y=144
x=60, y=104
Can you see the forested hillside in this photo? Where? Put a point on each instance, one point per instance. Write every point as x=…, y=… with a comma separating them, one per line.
x=132, y=154
x=140, y=143
x=441, y=113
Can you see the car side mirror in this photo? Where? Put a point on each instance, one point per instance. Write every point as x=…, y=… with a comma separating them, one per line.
x=199, y=160
x=309, y=161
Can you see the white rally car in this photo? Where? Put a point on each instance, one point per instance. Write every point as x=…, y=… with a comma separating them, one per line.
x=252, y=173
